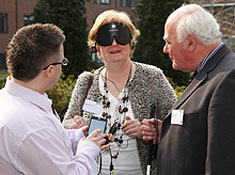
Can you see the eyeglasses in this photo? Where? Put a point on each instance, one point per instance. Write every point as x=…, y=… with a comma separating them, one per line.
x=107, y=32
x=65, y=62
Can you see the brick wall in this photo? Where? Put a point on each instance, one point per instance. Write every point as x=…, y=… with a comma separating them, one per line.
x=230, y=42
x=24, y=7
x=8, y=7
x=211, y=1
x=93, y=10
x=224, y=12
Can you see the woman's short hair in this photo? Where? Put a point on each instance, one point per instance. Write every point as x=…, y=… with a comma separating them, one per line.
x=109, y=16
x=196, y=20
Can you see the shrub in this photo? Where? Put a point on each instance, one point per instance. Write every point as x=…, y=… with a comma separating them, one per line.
x=60, y=94
x=3, y=78
x=178, y=89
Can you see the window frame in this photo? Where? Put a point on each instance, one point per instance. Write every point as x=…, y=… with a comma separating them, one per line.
x=28, y=19
x=3, y=65
x=4, y=23
x=103, y=2
x=124, y=3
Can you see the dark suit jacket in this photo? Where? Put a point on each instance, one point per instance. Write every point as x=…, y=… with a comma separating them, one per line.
x=205, y=143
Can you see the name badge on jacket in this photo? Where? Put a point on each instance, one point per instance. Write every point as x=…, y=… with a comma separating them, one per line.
x=177, y=117
x=92, y=106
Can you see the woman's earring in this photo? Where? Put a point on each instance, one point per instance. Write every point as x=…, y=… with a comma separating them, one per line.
x=93, y=49
x=132, y=45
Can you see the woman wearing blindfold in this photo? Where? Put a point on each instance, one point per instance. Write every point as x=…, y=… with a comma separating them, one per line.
x=122, y=91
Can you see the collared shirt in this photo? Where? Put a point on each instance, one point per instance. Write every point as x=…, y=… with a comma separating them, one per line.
x=203, y=63
x=33, y=141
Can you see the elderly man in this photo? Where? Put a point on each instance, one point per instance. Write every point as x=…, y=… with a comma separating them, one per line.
x=198, y=135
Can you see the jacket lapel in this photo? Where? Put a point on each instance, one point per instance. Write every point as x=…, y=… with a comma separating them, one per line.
x=191, y=88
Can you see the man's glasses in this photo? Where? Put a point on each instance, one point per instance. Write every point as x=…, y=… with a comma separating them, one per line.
x=65, y=62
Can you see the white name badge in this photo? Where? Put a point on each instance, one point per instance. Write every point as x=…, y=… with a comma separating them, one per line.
x=92, y=107
x=177, y=117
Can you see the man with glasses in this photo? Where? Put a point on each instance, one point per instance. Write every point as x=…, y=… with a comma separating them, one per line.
x=65, y=62
x=32, y=140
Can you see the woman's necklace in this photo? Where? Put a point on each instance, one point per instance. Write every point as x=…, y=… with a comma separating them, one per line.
x=122, y=107
x=116, y=120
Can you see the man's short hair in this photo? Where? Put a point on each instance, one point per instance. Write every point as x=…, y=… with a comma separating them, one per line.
x=31, y=48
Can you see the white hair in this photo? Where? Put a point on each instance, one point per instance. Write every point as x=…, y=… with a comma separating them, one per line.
x=195, y=20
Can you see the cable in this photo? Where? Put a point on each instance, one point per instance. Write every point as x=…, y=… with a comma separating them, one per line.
x=100, y=169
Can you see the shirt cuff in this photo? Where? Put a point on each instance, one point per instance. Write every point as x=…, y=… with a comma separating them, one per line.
x=89, y=148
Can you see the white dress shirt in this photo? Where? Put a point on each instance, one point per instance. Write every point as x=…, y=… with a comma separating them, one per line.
x=33, y=141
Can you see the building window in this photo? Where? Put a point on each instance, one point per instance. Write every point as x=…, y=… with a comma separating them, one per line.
x=3, y=61
x=28, y=19
x=107, y=2
x=3, y=23
x=126, y=3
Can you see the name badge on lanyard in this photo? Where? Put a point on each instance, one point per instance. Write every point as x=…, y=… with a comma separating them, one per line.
x=177, y=117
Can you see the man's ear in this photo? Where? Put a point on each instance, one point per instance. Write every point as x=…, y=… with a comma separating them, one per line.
x=49, y=72
x=192, y=42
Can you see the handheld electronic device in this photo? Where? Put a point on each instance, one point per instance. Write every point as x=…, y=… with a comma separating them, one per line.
x=151, y=146
x=97, y=122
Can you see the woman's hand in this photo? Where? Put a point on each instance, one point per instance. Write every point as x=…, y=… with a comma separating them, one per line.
x=149, y=130
x=78, y=122
x=132, y=127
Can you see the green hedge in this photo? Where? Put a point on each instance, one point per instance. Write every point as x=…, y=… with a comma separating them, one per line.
x=178, y=89
x=3, y=79
x=61, y=92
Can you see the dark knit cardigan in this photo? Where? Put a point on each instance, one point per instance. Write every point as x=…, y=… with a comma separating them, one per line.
x=148, y=85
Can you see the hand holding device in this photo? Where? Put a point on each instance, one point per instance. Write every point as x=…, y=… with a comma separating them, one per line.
x=98, y=138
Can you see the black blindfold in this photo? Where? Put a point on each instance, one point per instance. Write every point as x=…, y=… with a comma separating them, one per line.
x=107, y=32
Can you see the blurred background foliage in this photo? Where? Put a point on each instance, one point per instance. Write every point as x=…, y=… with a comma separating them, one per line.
x=70, y=16
x=149, y=47
x=60, y=94
x=3, y=77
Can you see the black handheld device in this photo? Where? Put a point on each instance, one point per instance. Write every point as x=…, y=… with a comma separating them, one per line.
x=151, y=147
x=97, y=122
x=150, y=143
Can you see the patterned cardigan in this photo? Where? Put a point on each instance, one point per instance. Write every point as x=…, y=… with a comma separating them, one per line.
x=148, y=85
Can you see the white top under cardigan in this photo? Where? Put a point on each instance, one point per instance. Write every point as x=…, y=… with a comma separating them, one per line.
x=128, y=162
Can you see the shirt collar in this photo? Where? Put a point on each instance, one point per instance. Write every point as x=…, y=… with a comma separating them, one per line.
x=40, y=100
x=203, y=63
